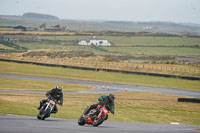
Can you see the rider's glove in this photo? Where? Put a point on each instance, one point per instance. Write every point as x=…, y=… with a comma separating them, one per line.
x=112, y=112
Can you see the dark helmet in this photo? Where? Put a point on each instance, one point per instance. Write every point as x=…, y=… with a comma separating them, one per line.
x=111, y=97
x=58, y=88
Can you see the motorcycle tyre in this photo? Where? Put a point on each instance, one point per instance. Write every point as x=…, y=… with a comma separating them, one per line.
x=41, y=112
x=81, y=121
x=99, y=122
x=45, y=114
x=39, y=118
x=43, y=117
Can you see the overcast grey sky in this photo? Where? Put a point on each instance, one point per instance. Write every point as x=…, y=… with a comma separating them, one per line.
x=119, y=10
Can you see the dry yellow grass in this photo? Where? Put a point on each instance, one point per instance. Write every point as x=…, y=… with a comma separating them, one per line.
x=174, y=69
x=129, y=106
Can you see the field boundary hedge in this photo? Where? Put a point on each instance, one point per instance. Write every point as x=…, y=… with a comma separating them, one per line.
x=16, y=48
x=103, y=69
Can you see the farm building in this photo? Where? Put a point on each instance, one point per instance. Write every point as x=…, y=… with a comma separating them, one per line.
x=16, y=38
x=55, y=28
x=22, y=28
x=95, y=41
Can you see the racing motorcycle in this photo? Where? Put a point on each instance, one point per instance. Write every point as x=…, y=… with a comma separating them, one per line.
x=95, y=117
x=46, y=108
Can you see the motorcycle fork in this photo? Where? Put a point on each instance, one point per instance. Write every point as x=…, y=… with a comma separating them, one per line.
x=100, y=114
x=47, y=106
x=52, y=108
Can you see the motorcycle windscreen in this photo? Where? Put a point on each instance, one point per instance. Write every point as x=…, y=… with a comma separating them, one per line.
x=52, y=102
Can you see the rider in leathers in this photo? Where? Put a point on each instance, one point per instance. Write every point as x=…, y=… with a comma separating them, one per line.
x=105, y=101
x=57, y=95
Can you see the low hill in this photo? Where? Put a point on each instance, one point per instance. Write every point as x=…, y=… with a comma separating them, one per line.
x=35, y=20
x=40, y=16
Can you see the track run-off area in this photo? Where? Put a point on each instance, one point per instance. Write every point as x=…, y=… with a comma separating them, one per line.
x=102, y=87
x=30, y=124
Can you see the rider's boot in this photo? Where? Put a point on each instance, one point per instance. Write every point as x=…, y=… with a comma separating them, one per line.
x=54, y=112
x=86, y=111
x=106, y=118
x=40, y=106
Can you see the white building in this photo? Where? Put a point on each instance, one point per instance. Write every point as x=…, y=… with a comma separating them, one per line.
x=148, y=27
x=95, y=41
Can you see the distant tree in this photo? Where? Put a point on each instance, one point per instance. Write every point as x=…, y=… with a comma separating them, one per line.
x=57, y=26
x=43, y=26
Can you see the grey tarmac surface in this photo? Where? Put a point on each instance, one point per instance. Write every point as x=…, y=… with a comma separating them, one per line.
x=29, y=124
x=102, y=87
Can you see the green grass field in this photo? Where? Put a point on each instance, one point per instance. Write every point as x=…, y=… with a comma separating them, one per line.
x=118, y=51
x=155, y=51
x=22, y=84
x=154, y=46
x=154, y=41
x=133, y=41
x=27, y=69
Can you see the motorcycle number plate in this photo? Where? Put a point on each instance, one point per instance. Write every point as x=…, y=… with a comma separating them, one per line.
x=105, y=110
x=52, y=102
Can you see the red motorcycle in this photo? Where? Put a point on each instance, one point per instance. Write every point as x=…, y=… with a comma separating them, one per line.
x=95, y=117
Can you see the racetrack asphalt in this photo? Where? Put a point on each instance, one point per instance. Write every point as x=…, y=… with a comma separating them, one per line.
x=29, y=124
x=102, y=87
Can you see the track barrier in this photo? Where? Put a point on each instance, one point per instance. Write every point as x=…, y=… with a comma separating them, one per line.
x=193, y=100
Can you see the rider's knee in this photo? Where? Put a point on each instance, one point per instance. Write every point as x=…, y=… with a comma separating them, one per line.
x=106, y=117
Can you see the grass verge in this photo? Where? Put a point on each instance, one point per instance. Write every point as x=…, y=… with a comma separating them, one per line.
x=27, y=69
x=23, y=84
x=129, y=106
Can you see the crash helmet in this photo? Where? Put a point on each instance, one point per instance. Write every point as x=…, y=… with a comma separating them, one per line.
x=58, y=88
x=111, y=97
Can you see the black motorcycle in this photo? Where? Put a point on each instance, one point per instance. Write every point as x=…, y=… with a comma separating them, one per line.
x=46, y=108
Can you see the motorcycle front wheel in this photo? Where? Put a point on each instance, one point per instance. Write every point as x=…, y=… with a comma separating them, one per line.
x=39, y=117
x=44, y=114
x=41, y=112
x=81, y=121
